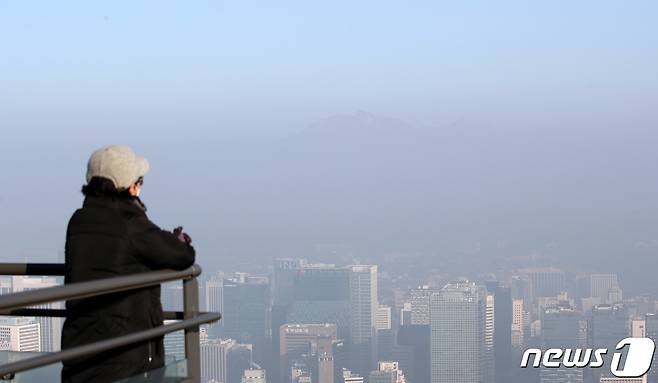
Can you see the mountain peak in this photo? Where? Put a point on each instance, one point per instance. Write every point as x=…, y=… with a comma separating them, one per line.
x=358, y=124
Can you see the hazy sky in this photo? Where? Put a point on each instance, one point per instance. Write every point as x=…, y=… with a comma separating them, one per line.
x=227, y=69
x=178, y=80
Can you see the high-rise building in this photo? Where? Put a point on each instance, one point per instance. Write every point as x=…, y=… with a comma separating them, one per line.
x=20, y=334
x=283, y=281
x=383, y=318
x=607, y=325
x=387, y=372
x=50, y=327
x=489, y=318
x=6, y=284
x=546, y=282
x=284, y=274
x=406, y=314
x=172, y=296
x=311, y=343
x=326, y=369
x=518, y=323
x=174, y=343
x=638, y=328
x=416, y=340
x=214, y=359
x=420, y=305
x=300, y=338
x=214, y=301
x=458, y=353
x=246, y=321
x=502, y=337
x=238, y=359
x=321, y=294
x=651, y=328
x=324, y=293
x=363, y=305
x=561, y=328
x=254, y=376
x=350, y=377
x=385, y=344
x=605, y=287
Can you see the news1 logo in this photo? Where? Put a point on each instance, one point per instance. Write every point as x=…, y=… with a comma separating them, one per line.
x=638, y=357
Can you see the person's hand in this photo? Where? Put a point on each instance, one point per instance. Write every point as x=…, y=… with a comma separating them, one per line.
x=182, y=236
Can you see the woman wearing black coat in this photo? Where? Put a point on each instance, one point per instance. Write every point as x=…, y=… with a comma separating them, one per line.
x=111, y=236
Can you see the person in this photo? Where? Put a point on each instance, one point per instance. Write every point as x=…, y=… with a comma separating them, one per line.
x=111, y=236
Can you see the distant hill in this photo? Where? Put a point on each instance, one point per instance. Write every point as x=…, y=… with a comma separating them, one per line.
x=380, y=184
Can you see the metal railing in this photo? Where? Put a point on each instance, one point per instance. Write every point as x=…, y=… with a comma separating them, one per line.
x=189, y=319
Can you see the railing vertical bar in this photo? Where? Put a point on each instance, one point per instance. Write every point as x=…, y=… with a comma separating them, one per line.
x=190, y=310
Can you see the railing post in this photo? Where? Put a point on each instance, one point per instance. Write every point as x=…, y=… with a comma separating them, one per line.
x=190, y=310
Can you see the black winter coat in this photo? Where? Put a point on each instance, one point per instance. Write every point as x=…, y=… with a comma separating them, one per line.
x=107, y=238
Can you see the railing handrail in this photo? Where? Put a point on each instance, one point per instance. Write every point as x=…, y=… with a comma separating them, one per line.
x=42, y=269
x=96, y=347
x=17, y=303
x=93, y=288
x=62, y=313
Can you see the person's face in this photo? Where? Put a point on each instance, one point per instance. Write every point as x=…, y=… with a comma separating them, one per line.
x=135, y=188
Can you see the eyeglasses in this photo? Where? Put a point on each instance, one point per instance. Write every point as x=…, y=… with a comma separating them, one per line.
x=140, y=181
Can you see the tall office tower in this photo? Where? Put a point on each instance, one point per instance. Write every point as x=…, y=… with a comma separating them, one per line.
x=50, y=327
x=321, y=294
x=518, y=325
x=326, y=369
x=383, y=318
x=203, y=334
x=520, y=286
x=5, y=284
x=254, y=376
x=283, y=295
x=363, y=305
x=214, y=301
x=246, y=321
x=606, y=326
x=299, y=373
x=489, y=318
x=546, y=282
x=587, y=304
x=638, y=328
x=283, y=280
x=420, y=305
x=238, y=359
x=309, y=342
x=416, y=340
x=350, y=377
x=457, y=334
x=651, y=328
x=561, y=328
x=605, y=287
x=406, y=314
x=214, y=360
x=615, y=295
x=172, y=296
x=20, y=334
x=387, y=372
x=385, y=344
x=174, y=343
x=340, y=350
x=502, y=348
x=278, y=317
